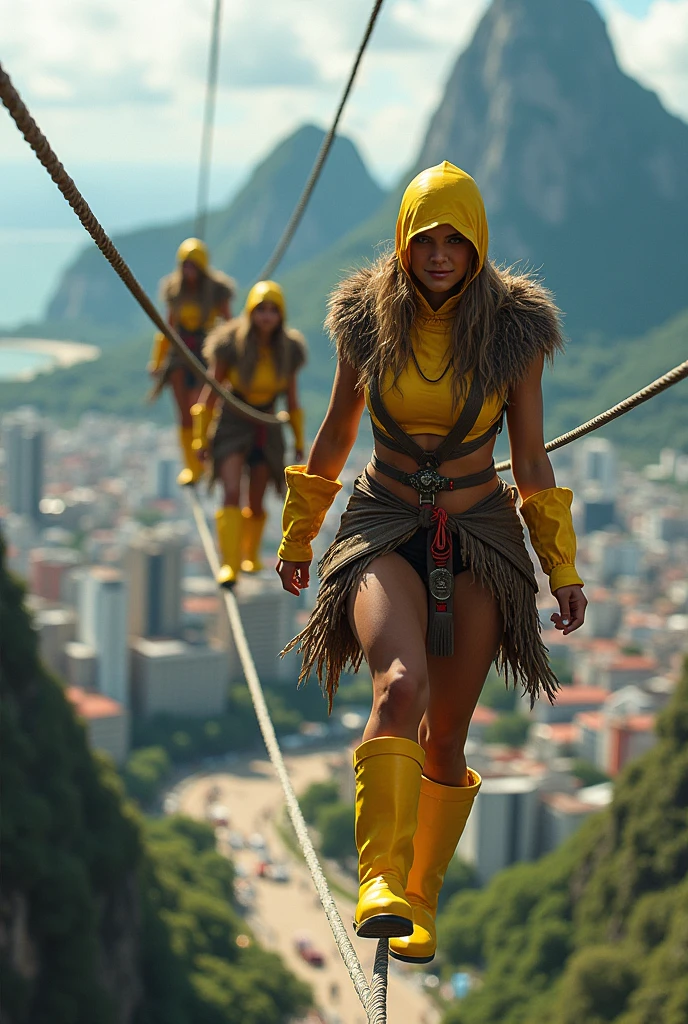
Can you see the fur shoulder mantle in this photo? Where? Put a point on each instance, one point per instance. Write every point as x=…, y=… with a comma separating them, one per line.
x=527, y=323
x=218, y=287
x=225, y=342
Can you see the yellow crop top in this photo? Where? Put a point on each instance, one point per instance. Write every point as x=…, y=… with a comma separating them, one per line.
x=421, y=407
x=265, y=384
x=190, y=317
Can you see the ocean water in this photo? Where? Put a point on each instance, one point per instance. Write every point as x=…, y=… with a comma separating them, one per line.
x=31, y=262
x=15, y=363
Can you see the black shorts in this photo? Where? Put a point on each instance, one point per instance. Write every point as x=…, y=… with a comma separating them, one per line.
x=415, y=551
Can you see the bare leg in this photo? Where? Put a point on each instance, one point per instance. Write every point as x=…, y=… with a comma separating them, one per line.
x=258, y=482
x=389, y=616
x=456, y=682
x=184, y=396
x=230, y=476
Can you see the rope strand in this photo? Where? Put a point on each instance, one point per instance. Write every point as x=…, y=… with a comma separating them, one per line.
x=295, y=219
x=667, y=380
x=48, y=158
x=372, y=999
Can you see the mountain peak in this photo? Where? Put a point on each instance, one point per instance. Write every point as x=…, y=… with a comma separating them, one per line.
x=576, y=161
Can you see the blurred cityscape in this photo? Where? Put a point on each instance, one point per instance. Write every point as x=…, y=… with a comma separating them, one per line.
x=130, y=617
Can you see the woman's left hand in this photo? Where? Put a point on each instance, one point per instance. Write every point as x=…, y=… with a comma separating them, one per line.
x=572, y=604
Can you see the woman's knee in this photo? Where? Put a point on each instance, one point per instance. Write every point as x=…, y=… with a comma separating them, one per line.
x=401, y=694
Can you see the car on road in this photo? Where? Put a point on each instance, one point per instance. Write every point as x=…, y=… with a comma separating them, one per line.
x=256, y=841
x=307, y=951
x=235, y=840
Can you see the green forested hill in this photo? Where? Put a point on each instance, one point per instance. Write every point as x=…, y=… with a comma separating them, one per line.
x=594, y=374
x=597, y=932
x=105, y=919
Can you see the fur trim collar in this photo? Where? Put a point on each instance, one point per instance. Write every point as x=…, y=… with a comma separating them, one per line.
x=527, y=323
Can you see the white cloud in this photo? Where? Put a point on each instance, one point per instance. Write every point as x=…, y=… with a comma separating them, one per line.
x=654, y=48
x=123, y=80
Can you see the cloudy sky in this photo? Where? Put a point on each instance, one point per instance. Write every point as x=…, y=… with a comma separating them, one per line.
x=122, y=81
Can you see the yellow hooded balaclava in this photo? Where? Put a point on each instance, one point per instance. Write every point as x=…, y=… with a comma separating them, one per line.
x=443, y=194
x=266, y=291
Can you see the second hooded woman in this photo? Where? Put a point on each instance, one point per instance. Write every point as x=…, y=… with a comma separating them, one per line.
x=258, y=357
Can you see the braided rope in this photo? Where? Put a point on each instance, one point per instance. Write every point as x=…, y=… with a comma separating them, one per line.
x=323, y=153
x=48, y=158
x=373, y=998
x=667, y=380
x=208, y=124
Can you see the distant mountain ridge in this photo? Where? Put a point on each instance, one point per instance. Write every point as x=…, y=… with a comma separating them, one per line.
x=241, y=236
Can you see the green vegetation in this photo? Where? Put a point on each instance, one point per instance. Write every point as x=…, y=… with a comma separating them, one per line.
x=595, y=933
x=192, y=932
x=109, y=918
x=318, y=796
x=145, y=771
x=333, y=818
x=588, y=774
x=510, y=728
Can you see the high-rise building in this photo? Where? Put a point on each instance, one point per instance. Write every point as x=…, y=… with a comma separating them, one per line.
x=153, y=563
x=503, y=826
x=23, y=440
x=269, y=622
x=597, y=466
x=49, y=569
x=103, y=626
x=166, y=470
x=172, y=677
x=106, y=721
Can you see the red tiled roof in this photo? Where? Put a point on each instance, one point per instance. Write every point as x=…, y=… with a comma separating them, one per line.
x=483, y=715
x=93, y=705
x=581, y=695
x=633, y=662
x=590, y=719
x=635, y=723
x=562, y=732
x=566, y=803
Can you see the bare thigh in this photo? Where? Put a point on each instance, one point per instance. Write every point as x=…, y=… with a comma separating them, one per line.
x=456, y=682
x=184, y=397
x=388, y=613
x=229, y=472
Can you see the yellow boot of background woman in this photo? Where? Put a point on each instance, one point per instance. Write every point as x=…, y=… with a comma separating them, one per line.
x=229, y=526
x=254, y=524
x=442, y=815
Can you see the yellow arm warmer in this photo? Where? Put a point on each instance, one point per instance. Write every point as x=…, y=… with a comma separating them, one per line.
x=200, y=419
x=159, y=351
x=297, y=421
x=308, y=499
x=547, y=515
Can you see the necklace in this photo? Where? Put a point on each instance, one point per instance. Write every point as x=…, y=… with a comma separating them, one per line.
x=430, y=380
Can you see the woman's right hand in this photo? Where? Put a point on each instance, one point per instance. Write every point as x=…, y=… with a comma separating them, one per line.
x=295, y=576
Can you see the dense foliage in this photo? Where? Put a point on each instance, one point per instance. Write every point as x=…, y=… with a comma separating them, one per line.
x=104, y=918
x=597, y=932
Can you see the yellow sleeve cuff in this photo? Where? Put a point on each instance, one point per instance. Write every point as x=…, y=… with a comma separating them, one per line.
x=297, y=421
x=309, y=496
x=564, y=576
x=547, y=515
x=159, y=351
x=200, y=419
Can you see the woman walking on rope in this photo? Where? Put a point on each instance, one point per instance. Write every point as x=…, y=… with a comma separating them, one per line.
x=258, y=357
x=196, y=296
x=428, y=578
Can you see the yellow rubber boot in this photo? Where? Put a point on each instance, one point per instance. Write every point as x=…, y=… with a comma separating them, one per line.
x=388, y=771
x=250, y=540
x=442, y=815
x=229, y=525
x=193, y=467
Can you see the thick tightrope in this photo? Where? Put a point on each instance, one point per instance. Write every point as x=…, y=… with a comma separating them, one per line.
x=667, y=380
x=323, y=153
x=374, y=996
x=48, y=158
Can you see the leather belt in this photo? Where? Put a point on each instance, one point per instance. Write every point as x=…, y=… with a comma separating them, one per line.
x=428, y=482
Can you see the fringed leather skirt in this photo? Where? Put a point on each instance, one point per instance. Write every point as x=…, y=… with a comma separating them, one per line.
x=489, y=536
